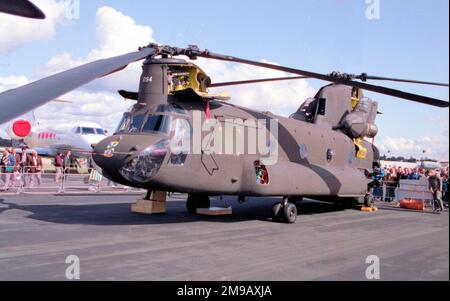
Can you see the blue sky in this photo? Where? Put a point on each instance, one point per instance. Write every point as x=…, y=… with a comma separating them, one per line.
x=410, y=40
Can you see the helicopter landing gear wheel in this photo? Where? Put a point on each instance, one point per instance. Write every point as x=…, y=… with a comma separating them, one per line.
x=290, y=213
x=195, y=202
x=285, y=211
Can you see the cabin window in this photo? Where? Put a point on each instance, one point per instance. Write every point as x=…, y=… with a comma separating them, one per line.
x=181, y=142
x=322, y=106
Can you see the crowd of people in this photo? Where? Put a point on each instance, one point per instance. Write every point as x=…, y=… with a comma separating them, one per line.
x=395, y=174
x=25, y=169
x=437, y=180
x=13, y=165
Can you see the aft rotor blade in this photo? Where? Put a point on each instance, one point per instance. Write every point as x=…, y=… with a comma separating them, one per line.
x=335, y=79
x=409, y=81
x=255, y=81
x=23, y=8
x=19, y=101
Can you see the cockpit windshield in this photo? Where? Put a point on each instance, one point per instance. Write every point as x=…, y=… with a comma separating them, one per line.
x=145, y=123
x=157, y=121
x=87, y=131
x=100, y=132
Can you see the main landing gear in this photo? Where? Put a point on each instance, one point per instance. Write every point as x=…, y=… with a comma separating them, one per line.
x=286, y=211
x=368, y=200
x=195, y=202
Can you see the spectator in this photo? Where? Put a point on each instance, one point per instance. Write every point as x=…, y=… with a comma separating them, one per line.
x=58, y=166
x=23, y=165
x=422, y=173
x=414, y=175
x=16, y=177
x=391, y=184
x=69, y=162
x=8, y=163
x=377, y=180
x=35, y=164
x=399, y=174
x=435, y=186
x=24, y=157
x=445, y=188
x=391, y=176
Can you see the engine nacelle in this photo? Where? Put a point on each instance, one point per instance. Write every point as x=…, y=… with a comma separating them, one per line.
x=19, y=129
x=361, y=121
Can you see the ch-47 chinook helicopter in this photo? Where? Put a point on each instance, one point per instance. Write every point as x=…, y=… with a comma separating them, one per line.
x=322, y=149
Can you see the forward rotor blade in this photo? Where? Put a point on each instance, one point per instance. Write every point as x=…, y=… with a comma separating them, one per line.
x=19, y=101
x=335, y=79
x=129, y=95
x=23, y=8
x=61, y=101
x=255, y=81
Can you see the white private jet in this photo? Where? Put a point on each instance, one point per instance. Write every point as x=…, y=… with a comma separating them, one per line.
x=78, y=137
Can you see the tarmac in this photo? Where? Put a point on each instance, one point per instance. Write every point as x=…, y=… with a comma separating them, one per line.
x=39, y=232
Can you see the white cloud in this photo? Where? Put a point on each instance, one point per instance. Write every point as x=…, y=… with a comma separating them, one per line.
x=436, y=147
x=116, y=34
x=10, y=82
x=16, y=31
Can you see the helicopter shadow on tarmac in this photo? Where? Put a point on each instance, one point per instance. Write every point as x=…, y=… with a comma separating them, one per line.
x=120, y=214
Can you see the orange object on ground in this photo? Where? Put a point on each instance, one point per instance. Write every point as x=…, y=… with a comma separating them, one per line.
x=366, y=209
x=413, y=204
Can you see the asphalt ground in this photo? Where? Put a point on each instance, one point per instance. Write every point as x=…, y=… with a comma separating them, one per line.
x=328, y=242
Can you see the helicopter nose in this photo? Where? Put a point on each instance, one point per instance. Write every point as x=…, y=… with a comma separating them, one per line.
x=131, y=160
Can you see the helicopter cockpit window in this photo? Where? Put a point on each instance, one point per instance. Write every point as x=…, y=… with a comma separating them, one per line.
x=145, y=123
x=78, y=130
x=322, y=106
x=136, y=124
x=307, y=111
x=131, y=124
x=157, y=124
x=124, y=123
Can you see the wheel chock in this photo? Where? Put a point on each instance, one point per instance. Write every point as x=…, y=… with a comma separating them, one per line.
x=213, y=211
x=369, y=209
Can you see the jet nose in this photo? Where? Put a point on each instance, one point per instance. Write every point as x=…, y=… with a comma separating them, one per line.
x=131, y=160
